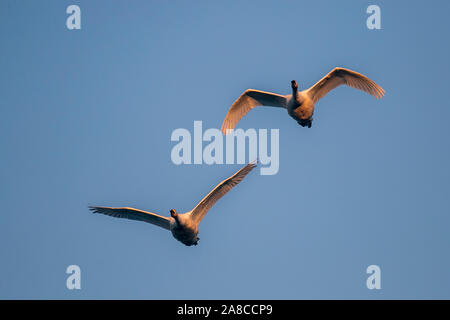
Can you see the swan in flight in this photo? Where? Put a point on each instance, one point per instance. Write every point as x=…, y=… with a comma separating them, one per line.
x=299, y=105
x=184, y=226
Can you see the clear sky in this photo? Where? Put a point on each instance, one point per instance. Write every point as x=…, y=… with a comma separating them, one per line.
x=86, y=118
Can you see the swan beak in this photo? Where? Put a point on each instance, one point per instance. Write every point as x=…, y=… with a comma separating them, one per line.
x=173, y=213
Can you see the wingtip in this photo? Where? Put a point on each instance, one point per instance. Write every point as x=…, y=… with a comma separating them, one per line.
x=93, y=209
x=254, y=163
x=380, y=94
x=226, y=130
x=251, y=165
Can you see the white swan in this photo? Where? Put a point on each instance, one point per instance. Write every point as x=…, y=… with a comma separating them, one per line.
x=184, y=226
x=299, y=105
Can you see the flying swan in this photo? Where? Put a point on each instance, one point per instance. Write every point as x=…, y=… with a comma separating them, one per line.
x=184, y=226
x=299, y=105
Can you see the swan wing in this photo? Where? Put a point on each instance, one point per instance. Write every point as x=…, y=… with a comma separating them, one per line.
x=200, y=210
x=133, y=214
x=339, y=76
x=246, y=102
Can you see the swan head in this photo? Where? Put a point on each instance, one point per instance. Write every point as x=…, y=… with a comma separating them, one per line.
x=294, y=85
x=173, y=213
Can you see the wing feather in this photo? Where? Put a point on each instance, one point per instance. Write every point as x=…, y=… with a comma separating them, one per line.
x=133, y=214
x=339, y=76
x=246, y=102
x=200, y=210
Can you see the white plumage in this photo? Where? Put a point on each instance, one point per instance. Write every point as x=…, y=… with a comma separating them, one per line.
x=184, y=226
x=299, y=105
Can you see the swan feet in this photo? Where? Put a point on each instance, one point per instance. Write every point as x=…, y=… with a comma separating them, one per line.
x=305, y=123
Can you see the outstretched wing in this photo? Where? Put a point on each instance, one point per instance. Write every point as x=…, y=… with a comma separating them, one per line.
x=339, y=76
x=218, y=192
x=246, y=102
x=133, y=214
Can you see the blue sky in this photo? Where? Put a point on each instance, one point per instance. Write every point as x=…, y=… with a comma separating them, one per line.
x=86, y=118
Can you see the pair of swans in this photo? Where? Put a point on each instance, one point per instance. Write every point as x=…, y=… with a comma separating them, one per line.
x=299, y=105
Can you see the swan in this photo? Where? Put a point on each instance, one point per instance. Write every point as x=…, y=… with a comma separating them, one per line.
x=184, y=226
x=299, y=105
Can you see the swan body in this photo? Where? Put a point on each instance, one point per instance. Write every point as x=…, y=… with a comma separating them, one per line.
x=183, y=226
x=299, y=105
x=301, y=108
